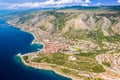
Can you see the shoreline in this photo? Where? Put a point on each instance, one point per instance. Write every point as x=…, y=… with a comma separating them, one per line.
x=44, y=66
x=34, y=41
x=41, y=67
x=34, y=36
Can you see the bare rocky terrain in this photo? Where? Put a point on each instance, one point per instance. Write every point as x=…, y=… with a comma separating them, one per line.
x=95, y=26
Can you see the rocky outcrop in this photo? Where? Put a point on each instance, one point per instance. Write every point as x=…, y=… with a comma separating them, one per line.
x=116, y=28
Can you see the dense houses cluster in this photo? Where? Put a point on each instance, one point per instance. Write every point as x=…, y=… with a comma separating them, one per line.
x=53, y=47
x=110, y=46
x=114, y=60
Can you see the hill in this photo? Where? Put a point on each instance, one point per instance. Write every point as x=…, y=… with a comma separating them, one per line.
x=83, y=33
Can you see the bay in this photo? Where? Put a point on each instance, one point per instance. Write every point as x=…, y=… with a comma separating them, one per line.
x=12, y=42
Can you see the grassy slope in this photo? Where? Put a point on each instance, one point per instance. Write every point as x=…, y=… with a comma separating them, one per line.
x=83, y=62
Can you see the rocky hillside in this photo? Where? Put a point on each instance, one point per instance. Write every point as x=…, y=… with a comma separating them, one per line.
x=85, y=42
x=97, y=26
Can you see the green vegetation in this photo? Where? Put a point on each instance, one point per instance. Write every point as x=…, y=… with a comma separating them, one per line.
x=98, y=69
x=87, y=18
x=65, y=70
x=23, y=19
x=56, y=58
x=88, y=54
x=43, y=28
x=98, y=79
x=26, y=59
x=69, y=72
x=91, y=54
x=60, y=20
x=76, y=48
x=110, y=30
x=97, y=36
x=114, y=21
x=106, y=64
x=114, y=38
x=76, y=34
x=84, y=62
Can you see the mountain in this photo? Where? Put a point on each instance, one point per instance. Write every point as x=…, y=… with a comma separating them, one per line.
x=92, y=33
x=67, y=21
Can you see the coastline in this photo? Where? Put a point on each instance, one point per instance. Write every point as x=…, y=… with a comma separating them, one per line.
x=44, y=66
x=88, y=64
x=34, y=36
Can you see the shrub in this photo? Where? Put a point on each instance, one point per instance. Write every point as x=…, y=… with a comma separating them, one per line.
x=106, y=64
x=98, y=69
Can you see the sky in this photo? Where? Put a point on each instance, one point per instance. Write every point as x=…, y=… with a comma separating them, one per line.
x=26, y=4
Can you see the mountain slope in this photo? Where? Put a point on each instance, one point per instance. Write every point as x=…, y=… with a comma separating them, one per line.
x=86, y=35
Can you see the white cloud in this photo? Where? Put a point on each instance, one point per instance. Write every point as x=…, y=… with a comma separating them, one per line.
x=78, y=1
x=48, y=3
x=84, y=4
x=87, y=1
x=118, y=1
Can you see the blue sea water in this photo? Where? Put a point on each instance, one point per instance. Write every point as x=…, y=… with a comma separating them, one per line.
x=12, y=42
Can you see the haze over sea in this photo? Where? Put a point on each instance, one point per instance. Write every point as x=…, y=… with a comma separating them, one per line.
x=12, y=42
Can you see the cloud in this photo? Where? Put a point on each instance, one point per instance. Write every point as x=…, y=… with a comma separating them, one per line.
x=87, y=1
x=84, y=4
x=118, y=1
x=48, y=3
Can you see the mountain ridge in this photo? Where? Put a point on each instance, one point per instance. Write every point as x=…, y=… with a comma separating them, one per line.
x=84, y=35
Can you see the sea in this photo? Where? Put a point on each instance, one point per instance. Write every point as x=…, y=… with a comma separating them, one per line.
x=13, y=41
